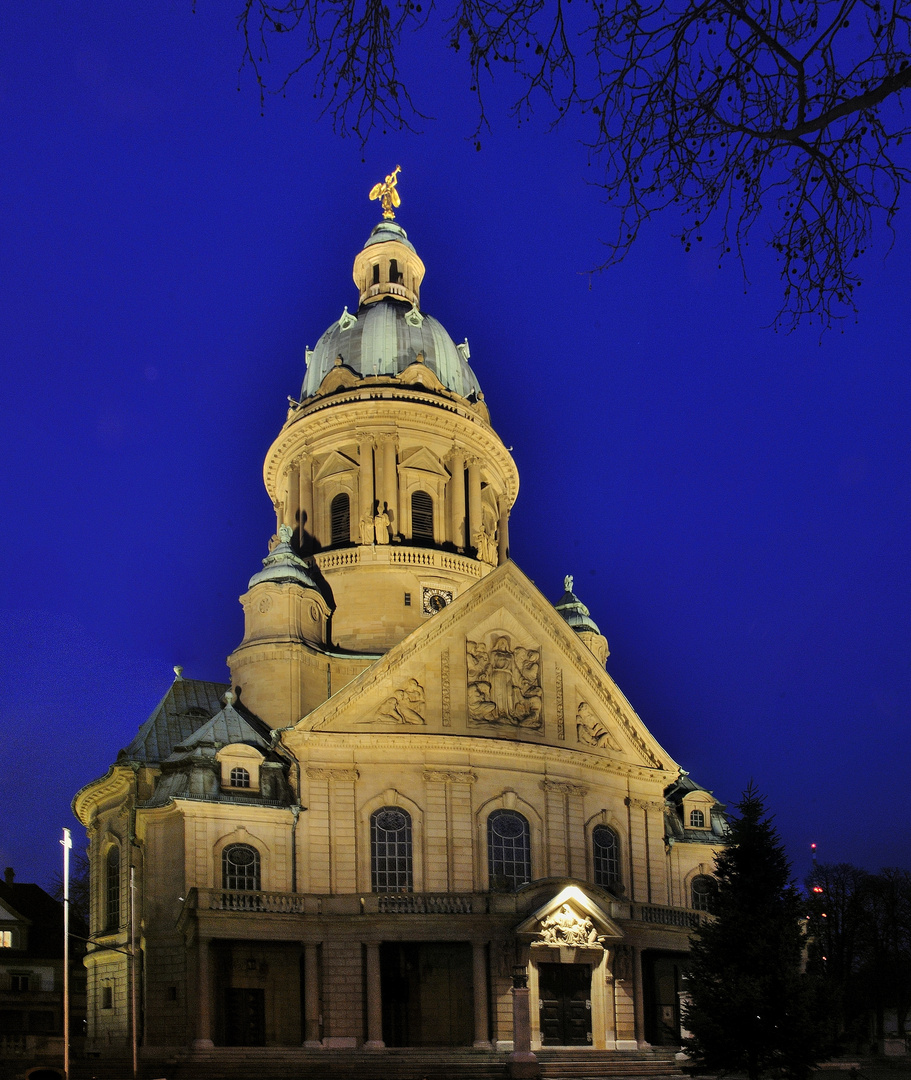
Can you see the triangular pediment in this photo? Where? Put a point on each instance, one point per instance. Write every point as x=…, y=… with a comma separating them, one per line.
x=571, y=918
x=497, y=663
x=334, y=464
x=423, y=460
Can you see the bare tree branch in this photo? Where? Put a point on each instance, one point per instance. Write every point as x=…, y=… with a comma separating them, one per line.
x=781, y=117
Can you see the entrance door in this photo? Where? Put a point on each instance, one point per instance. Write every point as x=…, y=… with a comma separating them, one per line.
x=428, y=993
x=564, y=991
x=245, y=1017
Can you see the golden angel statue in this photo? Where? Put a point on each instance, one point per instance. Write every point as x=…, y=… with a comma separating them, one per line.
x=387, y=193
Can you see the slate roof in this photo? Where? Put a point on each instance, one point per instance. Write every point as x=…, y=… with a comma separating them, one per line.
x=45, y=934
x=187, y=706
x=674, y=825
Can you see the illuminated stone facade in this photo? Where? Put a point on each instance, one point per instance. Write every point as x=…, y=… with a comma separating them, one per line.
x=420, y=779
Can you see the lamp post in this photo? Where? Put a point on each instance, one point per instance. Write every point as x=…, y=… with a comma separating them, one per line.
x=67, y=844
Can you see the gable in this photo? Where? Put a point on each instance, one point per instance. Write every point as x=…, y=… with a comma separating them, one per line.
x=424, y=461
x=498, y=662
x=334, y=464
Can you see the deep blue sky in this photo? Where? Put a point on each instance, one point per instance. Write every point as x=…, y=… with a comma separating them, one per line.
x=734, y=503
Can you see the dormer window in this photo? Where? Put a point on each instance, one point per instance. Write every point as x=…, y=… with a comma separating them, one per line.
x=240, y=778
x=240, y=769
x=697, y=819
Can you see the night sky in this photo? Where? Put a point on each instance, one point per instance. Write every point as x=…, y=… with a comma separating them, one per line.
x=734, y=503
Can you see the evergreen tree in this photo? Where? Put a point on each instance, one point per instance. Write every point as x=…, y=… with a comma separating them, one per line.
x=752, y=1008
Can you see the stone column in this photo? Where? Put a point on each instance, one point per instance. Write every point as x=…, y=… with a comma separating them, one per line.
x=365, y=494
x=475, y=516
x=374, y=999
x=292, y=500
x=457, y=500
x=311, y=998
x=305, y=503
x=522, y=1062
x=503, y=531
x=479, y=968
x=203, y=1040
x=390, y=486
x=638, y=996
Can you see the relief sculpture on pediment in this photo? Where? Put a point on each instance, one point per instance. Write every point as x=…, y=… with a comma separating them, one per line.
x=504, y=684
x=589, y=729
x=406, y=706
x=565, y=927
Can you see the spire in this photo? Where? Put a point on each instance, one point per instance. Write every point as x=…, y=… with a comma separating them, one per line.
x=577, y=616
x=281, y=564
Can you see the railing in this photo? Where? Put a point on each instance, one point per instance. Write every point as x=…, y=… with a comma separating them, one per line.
x=281, y=903
x=667, y=916
x=240, y=900
x=399, y=555
x=424, y=904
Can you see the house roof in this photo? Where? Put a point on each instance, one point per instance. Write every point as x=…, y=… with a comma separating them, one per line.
x=187, y=706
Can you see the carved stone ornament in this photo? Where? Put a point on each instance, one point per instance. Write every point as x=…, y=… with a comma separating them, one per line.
x=317, y=773
x=589, y=729
x=565, y=927
x=504, y=684
x=406, y=706
x=449, y=776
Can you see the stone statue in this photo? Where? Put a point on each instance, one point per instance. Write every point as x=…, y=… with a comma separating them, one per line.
x=285, y=532
x=366, y=527
x=485, y=546
x=504, y=684
x=388, y=194
x=589, y=729
x=405, y=706
x=381, y=525
x=568, y=583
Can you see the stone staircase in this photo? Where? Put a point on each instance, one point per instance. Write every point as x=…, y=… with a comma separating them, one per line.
x=294, y=1063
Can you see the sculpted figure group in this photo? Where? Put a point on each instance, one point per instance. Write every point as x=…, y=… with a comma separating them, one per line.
x=504, y=684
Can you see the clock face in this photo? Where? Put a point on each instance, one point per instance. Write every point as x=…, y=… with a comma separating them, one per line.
x=435, y=600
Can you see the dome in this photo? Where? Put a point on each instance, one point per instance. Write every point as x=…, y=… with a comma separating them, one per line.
x=574, y=611
x=384, y=338
x=282, y=564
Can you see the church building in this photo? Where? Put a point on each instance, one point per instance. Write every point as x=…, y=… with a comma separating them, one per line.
x=419, y=787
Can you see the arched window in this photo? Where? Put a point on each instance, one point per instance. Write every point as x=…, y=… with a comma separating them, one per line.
x=240, y=867
x=508, y=850
x=704, y=890
x=112, y=890
x=421, y=516
x=697, y=819
x=606, y=856
x=240, y=777
x=340, y=519
x=390, y=850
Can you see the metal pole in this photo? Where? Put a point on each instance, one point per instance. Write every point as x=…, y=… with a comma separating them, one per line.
x=67, y=844
x=134, y=1032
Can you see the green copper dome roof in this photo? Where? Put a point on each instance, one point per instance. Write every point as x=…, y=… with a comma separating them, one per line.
x=574, y=611
x=389, y=332
x=384, y=338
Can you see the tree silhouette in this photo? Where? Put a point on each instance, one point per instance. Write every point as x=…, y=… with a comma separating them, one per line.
x=752, y=1008
x=777, y=118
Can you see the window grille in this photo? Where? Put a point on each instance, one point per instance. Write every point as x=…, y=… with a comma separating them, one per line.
x=697, y=819
x=112, y=893
x=421, y=516
x=340, y=519
x=240, y=778
x=605, y=856
x=240, y=867
x=704, y=891
x=391, y=867
x=508, y=850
